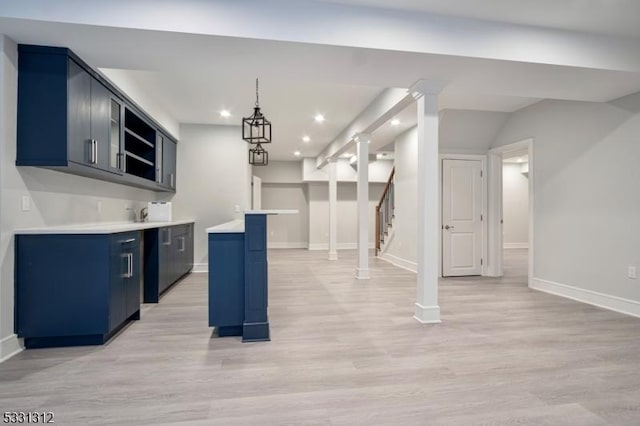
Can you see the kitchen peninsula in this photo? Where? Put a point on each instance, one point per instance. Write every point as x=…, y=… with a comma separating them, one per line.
x=79, y=285
x=238, y=276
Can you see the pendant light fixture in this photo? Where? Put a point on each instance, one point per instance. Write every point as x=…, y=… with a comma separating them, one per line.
x=258, y=156
x=256, y=129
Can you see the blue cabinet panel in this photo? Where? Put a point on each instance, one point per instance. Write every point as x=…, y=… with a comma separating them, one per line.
x=226, y=282
x=256, y=322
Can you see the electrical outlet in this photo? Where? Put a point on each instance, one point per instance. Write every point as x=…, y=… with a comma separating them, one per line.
x=236, y=208
x=99, y=206
x=26, y=203
x=631, y=272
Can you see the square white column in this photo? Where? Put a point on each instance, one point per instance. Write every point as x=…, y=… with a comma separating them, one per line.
x=333, y=209
x=427, y=309
x=362, y=152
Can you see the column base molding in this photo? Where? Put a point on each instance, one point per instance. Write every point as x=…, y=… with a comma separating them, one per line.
x=427, y=314
x=362, y=273
x=333, y=256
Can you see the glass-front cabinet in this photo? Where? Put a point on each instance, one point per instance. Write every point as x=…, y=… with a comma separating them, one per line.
x=115, y=137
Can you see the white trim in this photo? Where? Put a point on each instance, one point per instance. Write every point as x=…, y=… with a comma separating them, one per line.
x=362, y=274
x=399, y=262
x=601, y=300
x=507, y=246
x=427, y=314
x=10, y=346
x=287, y=245
x=483, y=165
x=496, y=250
x=200, y=268
x=341, y=246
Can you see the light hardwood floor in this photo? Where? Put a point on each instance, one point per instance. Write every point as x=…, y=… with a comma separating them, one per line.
x=347, y=352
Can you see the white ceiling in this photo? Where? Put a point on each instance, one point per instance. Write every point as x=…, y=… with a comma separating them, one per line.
x=193, y=76
x=609, y=17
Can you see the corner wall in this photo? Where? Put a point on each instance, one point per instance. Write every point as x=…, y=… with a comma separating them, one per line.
x=214, y=178
x=586, y=197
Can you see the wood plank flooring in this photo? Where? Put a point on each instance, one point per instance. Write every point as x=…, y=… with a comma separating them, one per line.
x=347, y=352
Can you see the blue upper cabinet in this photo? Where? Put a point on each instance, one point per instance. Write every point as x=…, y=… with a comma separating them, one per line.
x=73, y=120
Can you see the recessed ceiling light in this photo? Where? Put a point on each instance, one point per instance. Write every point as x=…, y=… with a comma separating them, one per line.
x=296, y=153
x=319, y=118
x=225, y=113
x=347, y=155
x=520, y=160
x=306, y=139
x=395, y=122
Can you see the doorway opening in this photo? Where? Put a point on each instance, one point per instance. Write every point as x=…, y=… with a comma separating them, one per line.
x=515, y=213
x=511, y=211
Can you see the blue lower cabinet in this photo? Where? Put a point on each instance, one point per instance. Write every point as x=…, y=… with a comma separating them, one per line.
x=168, y=256
x=76, y=289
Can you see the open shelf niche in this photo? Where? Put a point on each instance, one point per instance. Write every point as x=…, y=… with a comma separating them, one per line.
x=139, y=146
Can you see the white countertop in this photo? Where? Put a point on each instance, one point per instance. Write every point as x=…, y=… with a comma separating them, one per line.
x=233, y=227
x=270, y=211
x=100, y=228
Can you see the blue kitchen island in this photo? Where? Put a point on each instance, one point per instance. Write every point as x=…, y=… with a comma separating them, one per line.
x=238, y=276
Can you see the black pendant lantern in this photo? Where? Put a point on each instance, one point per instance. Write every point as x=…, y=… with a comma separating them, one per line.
x=256, y=129
x=258, y=156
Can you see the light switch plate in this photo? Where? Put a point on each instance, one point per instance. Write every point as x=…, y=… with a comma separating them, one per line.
x=26, y=203
x=631, y=272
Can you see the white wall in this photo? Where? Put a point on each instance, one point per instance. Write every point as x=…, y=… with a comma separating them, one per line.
x=515, y=206
x=280, y=172
x=287, y=231
x=379, y=171
x=469, y=132
x=56, y=198
x=318, y=194
x=587, y=198
x=213, y=177
x=403, y=245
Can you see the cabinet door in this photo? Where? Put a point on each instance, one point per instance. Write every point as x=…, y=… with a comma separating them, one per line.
x=164, y=260
x=169, y=163
x=100, y=125
x=116, y=130
x=132, y=280
x=117, y=297
x=79, y=107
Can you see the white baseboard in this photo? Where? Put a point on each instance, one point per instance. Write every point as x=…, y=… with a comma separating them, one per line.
x=200, y=267
x=287, y=245
x=601, y=300
x=399, y=262
x=10, y=346
x=340, y=246
x=516, y=245
x=427, y=314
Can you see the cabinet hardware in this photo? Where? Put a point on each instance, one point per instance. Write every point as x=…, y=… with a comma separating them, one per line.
x=167, y=242
x=173, y=184
x=130, y=240
x=129, y=265
x=182, y=244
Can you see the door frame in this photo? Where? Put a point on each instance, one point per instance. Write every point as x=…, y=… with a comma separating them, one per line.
x=483, y=165
x=496, y=249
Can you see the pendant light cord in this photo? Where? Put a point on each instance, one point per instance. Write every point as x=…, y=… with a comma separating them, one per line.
x=257, y=98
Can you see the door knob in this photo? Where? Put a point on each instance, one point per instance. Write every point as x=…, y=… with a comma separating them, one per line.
x=447, y=227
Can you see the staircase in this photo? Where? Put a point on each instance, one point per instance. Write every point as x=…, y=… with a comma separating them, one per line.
x=385, y=213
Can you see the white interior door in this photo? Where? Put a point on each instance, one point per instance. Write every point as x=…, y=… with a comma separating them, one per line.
x=461, y=217
x=256, y=193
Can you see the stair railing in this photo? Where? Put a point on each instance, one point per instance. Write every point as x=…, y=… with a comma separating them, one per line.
x=385, y=211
